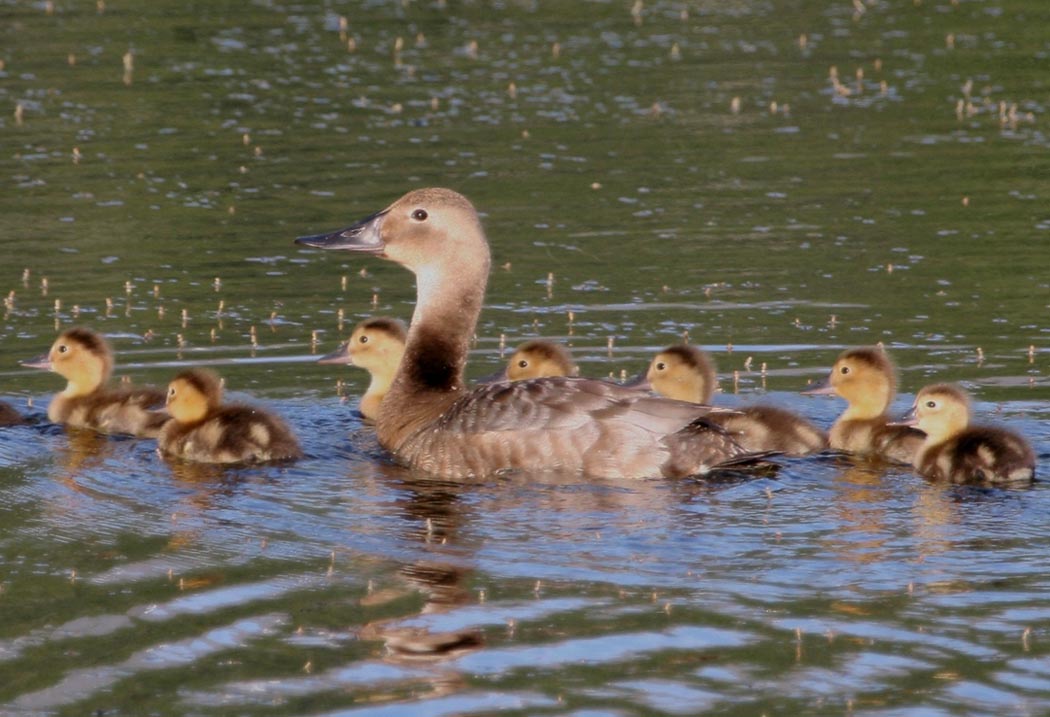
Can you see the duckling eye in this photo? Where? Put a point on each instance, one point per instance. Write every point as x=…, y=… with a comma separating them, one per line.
x=844, y=370
x=931, y=404
x=523, y=364
x=171, y=393
x=420, y=215
x=661, y=366
x=63, y=349
x=363, y=339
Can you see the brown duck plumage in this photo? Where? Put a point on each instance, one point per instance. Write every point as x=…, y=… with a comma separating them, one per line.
x=430, y=421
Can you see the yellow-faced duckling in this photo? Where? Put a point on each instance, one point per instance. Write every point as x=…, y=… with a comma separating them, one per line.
x=201, y=429
x=375, y=345
x=85, y=360
x=957, y=452
x=688, y=374
x=867, y=379
x=431, y=422
x=539, y=358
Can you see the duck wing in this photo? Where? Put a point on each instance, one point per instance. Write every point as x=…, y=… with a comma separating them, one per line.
x=572, y=424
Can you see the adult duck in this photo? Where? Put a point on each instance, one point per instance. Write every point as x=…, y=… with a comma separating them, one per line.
x=376, y=345
x=958, y=452
x=867, y=379
x=85, y=359
x=431, y=422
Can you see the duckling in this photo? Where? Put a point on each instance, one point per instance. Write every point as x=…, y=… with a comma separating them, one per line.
x=9, y=416
x=539, y=358
x=431, y=422
x=958, y=452
x=867, y=379
x=688, y=374
x=85, y=360
x=375, y=345
x=201, y=429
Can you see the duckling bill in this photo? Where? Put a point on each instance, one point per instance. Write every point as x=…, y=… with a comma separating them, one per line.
x=429, y=420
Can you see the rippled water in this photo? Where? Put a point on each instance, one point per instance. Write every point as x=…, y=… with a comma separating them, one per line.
x=646, y=172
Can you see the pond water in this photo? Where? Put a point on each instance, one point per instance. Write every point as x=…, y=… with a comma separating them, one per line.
x=646, y=172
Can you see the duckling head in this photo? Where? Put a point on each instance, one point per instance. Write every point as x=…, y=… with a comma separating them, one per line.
x=81, y=356
x=684, y=373
x=193, y=394
x=375, y=344
x=539, y=359
x=865, y=377
x=941, y=411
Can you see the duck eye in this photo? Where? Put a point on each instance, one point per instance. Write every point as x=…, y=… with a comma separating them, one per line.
x=420, y=215
x=63, y=349
x=661, y=366
x=844, y=370
x=363, y=339
x=523, y=363
x=171, y=393
x=931, y=404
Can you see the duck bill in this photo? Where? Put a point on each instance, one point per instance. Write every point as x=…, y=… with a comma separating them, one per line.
x=908, y=419
x=340, y=356
x=43, y=361
x=820, y=388
x=365, y=236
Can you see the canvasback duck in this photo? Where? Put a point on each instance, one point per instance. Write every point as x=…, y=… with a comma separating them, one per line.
x=958, y=452
x=376, y=345
x=688, y=374
x=539, y=358
x=867, y=379
x=203, y=430
x=431, y=422
x=85, y=360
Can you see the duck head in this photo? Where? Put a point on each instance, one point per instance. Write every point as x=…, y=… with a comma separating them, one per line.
x=539, y=359
x=374, y=344
x=940, y=411
x=193, y=394
x=684, y=373
x=79, y=355
x=865, y=377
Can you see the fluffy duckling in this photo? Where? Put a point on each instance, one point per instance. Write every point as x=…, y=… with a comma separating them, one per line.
x=9, y=416
x=85, y=360
x=539, y=358
x=957, y=452
x=688, y=374
x=431, y=422
x=867, y=379
x=375, y=345
x=201, y=429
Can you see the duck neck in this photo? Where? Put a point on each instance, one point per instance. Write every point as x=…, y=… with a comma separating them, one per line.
x=430, y=376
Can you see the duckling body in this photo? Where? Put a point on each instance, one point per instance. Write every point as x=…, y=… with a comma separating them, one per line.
x=431, y=422
x=688, y=374
x=201, y=429
x=9, y=416
x=376, y=345
x=958, y=452
x=85, y=360
x=867, y=379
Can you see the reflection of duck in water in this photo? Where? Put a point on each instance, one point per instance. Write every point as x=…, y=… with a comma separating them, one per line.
x=867, y=379
x=202, y=429
x=688, y=374
x=375, y=345
x=958, y=452
x=431, y=422
x=85, y=360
